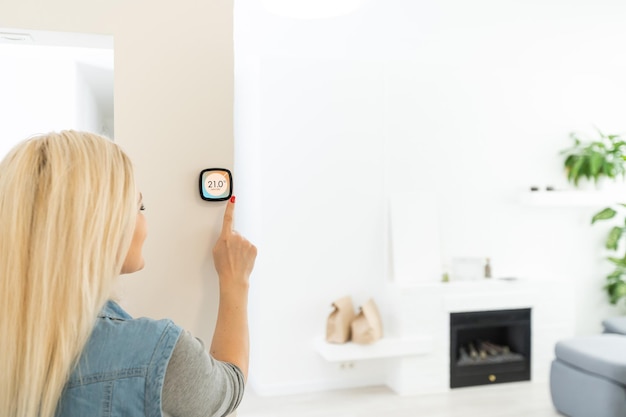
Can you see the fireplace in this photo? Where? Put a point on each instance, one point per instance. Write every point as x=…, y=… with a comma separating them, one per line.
x=489, y=347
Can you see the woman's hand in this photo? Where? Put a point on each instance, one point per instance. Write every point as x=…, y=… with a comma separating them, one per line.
x=234, y=259
x=233, y=254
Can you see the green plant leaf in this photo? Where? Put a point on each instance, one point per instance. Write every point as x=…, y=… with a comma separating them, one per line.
x=613, y=299
x=577, y=170
x=618, y=292
x=610, y=285
x=607, y=213
x=615, y=276
x=612, y=169
x=614, y=236
x=617, y=261
x=596, y=161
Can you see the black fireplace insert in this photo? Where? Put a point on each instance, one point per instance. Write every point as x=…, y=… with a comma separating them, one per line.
x=489, y=347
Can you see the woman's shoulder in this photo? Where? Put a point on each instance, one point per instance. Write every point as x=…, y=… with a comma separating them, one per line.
x=113, y=314
x=122, y=342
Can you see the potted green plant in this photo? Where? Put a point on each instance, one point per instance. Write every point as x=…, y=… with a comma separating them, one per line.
x=595, y=159
x=616, y=281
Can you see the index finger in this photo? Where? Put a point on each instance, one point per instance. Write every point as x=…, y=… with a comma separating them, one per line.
x=229, y=213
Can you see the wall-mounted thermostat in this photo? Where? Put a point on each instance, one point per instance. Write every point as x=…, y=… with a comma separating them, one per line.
x=216, y=184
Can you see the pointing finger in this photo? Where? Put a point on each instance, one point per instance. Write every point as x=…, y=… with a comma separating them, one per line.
x=227, y=225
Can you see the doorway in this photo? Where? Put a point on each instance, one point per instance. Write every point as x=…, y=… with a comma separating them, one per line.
x=53, y=81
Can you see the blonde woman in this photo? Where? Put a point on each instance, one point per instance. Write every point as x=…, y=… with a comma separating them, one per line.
x=71, y=222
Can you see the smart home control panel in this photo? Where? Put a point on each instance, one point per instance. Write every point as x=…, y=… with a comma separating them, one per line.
x=216, y=184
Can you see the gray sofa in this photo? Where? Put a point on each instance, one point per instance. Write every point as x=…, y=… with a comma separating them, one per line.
x=615, y=325
x=588, y=375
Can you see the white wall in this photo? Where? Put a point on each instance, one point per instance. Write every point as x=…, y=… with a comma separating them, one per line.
x=95, y=86
x=88, y=108
x=173, y=115
x=469, y=102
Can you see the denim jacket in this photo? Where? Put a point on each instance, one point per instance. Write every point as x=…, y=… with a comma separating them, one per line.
x=121, y=370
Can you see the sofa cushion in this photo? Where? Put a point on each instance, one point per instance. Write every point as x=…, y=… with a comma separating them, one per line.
x=615, y=325
x=603, y=355
x=577, y=393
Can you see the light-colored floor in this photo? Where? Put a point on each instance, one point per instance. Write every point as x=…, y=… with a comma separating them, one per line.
x=520, y=399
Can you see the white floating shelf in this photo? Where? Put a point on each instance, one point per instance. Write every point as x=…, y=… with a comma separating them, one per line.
x=384, y=348
x=557, y=198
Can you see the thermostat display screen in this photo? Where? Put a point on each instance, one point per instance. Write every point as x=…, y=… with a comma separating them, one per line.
x=216, y=184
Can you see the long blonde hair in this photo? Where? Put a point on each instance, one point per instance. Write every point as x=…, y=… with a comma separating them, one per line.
x=68, y=206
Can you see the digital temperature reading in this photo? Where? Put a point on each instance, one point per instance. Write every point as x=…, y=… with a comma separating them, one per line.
x=216, y=184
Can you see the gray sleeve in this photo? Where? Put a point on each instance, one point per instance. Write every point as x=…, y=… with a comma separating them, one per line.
x=198, y=385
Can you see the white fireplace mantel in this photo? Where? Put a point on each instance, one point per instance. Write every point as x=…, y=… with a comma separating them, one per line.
x=417, y=328
x=425, y=309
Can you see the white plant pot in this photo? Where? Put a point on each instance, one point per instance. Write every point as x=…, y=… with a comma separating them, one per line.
x=604, y=185
x=613, y=186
